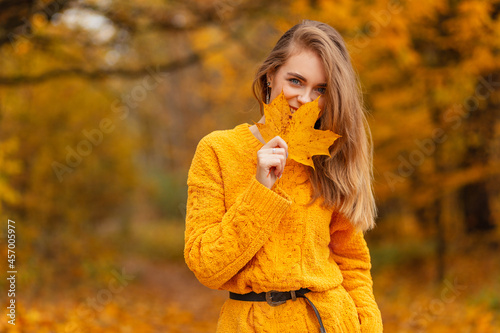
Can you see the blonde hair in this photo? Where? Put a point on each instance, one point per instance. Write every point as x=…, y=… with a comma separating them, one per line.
x=344, y=180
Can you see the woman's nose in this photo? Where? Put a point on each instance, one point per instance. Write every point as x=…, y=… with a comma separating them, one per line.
x=304, y=98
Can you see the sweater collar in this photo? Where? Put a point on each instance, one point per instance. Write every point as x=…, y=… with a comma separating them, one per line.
x=244, y=131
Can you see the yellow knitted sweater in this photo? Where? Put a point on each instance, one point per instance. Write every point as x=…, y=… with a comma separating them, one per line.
x=241, y=237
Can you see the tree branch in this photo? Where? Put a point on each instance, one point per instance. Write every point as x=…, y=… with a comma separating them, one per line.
x=100, y=74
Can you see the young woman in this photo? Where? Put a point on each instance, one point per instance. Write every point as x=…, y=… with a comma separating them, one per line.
x=286, y=240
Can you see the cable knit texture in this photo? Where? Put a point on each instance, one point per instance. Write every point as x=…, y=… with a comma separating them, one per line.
x=241, y=237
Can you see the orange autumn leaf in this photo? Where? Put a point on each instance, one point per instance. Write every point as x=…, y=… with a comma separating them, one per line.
x=297, y=129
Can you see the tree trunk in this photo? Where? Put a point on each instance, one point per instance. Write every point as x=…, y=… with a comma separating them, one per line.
x=479, y=134
x=476, y=207
x=440, y=241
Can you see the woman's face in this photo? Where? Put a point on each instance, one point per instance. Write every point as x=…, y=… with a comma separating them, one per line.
x=302, y=79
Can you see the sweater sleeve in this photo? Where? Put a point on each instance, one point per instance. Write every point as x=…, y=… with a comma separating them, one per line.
x=218, y=243
x=351, y=253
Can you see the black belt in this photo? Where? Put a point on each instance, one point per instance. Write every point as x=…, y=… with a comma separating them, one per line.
x=275, y=298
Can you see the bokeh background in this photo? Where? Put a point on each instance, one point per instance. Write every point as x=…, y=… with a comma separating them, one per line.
x=102, y=104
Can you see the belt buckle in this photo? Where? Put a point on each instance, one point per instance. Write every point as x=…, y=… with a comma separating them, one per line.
x=269, y=299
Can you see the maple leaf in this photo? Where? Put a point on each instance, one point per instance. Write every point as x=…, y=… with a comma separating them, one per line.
x=297, y=129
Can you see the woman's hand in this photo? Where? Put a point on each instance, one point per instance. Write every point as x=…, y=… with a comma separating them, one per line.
x=271, y=160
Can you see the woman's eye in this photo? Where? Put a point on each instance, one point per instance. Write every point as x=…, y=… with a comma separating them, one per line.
x=294, y=81
x=322, y=91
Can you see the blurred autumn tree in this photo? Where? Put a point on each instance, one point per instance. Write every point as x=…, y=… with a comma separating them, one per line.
x=97, y=109
x=437, y=65
x=154, y=77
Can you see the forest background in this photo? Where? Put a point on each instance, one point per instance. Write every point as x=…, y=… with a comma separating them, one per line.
x=102, y=104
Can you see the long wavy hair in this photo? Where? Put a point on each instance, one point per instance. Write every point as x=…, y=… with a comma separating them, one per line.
x=344, y=179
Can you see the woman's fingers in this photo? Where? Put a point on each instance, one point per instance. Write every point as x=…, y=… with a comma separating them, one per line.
x=276, y=142
x=268, y=168
x=268, y=160
x=271, y=160
x=279, y=155
x=279, y=147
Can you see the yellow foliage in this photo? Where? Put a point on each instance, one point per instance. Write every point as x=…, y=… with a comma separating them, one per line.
x=38, y=21
x=411, y=305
